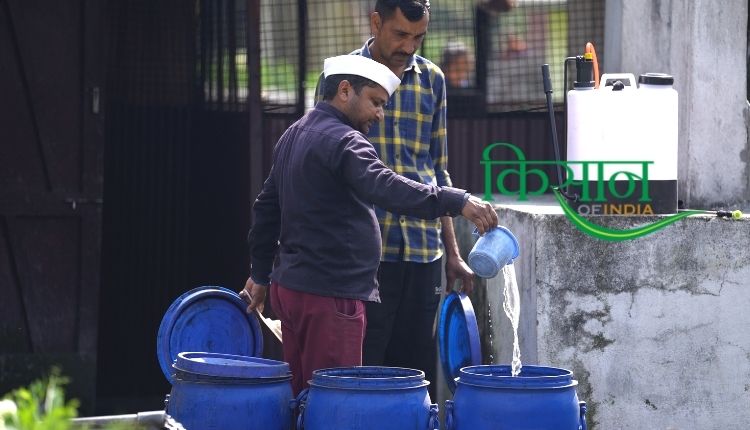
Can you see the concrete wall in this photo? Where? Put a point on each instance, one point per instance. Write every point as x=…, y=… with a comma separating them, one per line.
x=703, y=44
x=654, y=329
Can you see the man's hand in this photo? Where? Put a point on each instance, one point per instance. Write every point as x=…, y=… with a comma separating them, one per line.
x=481, y=213
x=456, y=268
x=254, y=294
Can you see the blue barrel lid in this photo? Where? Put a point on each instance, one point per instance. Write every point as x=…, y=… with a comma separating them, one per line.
x=230, y=366
x=458, y=337
x=207, y=319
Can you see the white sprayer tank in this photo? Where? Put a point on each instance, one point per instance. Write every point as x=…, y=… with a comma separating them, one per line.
x=633, y=132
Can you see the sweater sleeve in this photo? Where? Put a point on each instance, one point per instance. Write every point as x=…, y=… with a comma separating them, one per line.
x=374, y=182
x=263, y=237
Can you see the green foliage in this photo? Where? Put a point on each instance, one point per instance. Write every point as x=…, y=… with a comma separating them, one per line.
x=40, y=406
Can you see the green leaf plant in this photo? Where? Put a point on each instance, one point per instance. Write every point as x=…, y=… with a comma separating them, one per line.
x=40, y=406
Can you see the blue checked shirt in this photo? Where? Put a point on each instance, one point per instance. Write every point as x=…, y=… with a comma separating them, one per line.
x=412, y=141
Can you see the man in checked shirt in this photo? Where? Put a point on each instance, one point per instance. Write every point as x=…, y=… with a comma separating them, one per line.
x=411, y=140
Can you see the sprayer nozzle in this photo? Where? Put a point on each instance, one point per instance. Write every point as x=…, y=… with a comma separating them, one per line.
x=584, y=71
x=735, y=214
x=545, y=79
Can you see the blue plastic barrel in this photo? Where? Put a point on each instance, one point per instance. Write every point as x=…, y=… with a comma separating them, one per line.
x=367, y=398
x=223, y=391
x=540, y=398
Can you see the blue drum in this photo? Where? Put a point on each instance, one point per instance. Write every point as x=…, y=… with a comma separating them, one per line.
x=222, y=391
x=540, y=398
x=207, y=347
x=367, y=398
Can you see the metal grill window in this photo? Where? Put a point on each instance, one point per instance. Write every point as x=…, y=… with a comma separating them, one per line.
x=506, y=42
x=280, y=46
x=529, y=34
x=334, y=27
x=451, y=35
x=222, y=53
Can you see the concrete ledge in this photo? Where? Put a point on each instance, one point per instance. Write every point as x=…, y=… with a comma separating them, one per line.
x=656, y=329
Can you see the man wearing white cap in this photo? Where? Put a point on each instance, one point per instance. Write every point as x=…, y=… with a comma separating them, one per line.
x=316, y=211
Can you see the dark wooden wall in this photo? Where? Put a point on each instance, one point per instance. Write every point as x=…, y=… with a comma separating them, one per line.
x=51, y=139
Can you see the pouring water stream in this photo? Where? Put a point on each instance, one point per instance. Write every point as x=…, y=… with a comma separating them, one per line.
x=512, y=308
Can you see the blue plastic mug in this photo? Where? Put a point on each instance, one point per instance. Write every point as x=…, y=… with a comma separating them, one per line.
x=492, y=251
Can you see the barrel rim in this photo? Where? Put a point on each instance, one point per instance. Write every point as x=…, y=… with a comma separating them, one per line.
x=531, y=377
x=352, y=378
x=230, y=365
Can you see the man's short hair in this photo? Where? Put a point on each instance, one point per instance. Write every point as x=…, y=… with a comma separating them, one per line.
x=331, y=84
x=413, y=10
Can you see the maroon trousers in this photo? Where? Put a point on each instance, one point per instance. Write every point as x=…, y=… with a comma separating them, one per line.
x=318, y=332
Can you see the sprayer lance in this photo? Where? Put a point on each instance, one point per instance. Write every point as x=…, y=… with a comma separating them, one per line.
x=546, y=80
x=553, y=129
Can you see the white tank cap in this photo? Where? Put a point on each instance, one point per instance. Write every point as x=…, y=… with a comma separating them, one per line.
x=655, y=79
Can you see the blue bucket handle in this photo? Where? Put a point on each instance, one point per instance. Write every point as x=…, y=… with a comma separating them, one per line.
x=475, y=233
x=300, y=402
x=582, y=423
x=449, y=415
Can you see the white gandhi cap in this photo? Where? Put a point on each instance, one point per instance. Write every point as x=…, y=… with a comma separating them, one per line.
x=362, y=66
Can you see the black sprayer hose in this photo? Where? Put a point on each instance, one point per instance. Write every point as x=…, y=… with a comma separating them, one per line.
x=553, y=129
x=550, y=110
x=565, y=96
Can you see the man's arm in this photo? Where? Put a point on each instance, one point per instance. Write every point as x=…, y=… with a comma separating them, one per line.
x=373, y=182
x=484, y=216
x=358, y=164
x=263, y=240
x=455, y=267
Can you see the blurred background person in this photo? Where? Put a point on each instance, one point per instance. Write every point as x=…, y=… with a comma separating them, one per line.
x=456, y=65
